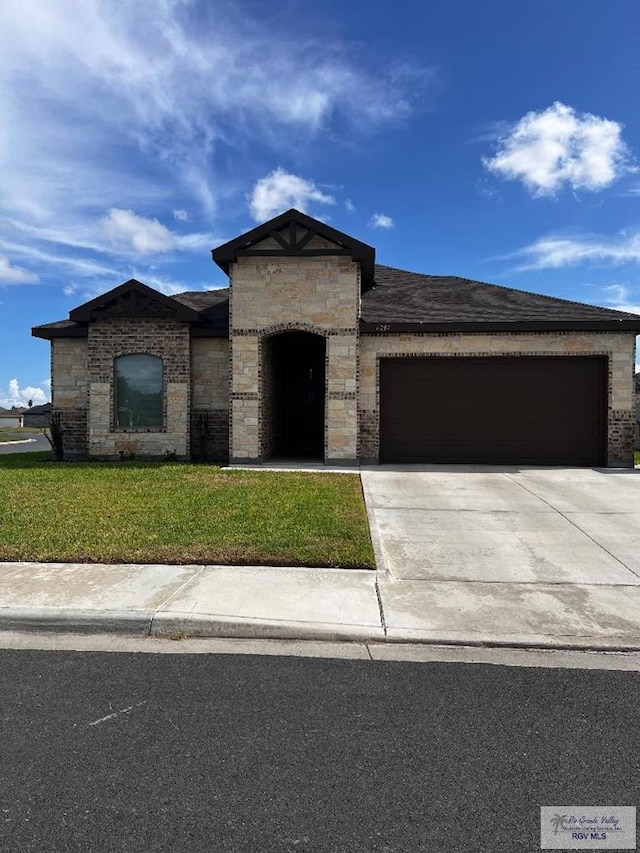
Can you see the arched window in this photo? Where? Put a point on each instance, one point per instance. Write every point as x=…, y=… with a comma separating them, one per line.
x=138, y=391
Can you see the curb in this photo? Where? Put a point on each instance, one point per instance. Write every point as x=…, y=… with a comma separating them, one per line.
x=132, y=622
x=152, y=623
x=171, y=624
x=166, y=624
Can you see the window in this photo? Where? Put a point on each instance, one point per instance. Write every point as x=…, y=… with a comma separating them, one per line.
x=138, y=391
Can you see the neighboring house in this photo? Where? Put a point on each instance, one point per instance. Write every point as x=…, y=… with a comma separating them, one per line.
x=38, y=416
x=11, y=417
x=316, y=352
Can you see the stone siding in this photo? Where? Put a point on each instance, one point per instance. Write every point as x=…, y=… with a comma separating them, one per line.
x=210, y=399
x=166, y=339
x=618, y=348
x=210, y=373
x=320, y=295
x=70, y=393
x=69, y=379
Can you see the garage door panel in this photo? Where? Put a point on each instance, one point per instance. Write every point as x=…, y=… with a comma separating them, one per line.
x=491, y=410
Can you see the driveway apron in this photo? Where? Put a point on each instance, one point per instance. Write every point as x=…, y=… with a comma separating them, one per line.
x=508, y=555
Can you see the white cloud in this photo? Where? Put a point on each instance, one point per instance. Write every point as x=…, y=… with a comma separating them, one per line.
x=80, y=266
x=17, y=396
x=350, y=206
x=10, y=274
x=125, y=125
x=130, y=231
x=280, y=190
x=379, y=220
x=554, y=252
x=560, y=147
x=120, y=233
x=622, y=297
x=155, y=94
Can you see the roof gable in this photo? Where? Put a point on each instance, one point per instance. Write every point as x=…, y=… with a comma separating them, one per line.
x=133, y=299
x=295, y=234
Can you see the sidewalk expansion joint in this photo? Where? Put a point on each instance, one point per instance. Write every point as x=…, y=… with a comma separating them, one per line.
x=380, y=607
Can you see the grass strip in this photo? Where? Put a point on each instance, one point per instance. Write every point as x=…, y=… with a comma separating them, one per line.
x=166, y=512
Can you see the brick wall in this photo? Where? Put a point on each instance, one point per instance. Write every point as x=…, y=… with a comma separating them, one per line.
x=166, y=339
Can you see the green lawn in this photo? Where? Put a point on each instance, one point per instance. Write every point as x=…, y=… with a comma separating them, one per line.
x=169, y=512
x=18, y=433
x=637, y=457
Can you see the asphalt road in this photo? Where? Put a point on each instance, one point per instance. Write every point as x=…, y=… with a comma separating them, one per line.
x=40, y=443
x=124, y=752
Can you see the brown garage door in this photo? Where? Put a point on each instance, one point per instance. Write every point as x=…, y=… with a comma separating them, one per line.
x=511, y=410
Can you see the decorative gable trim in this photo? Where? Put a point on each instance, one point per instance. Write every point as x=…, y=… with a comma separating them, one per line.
x=295, y=234
x=133, y=299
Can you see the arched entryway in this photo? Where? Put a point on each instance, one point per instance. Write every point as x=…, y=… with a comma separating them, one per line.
x=293, y=412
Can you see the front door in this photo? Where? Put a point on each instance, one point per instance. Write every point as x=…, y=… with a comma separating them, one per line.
x=299, y=395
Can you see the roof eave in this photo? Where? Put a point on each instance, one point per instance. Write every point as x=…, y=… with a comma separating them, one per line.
x=47, y=334
x=631, y=325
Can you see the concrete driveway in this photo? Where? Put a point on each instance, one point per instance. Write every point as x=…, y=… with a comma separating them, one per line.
x=520, y=555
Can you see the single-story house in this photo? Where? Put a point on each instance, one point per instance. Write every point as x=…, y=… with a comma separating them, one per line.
x=38, y=416
x=314, y=351
x=11, y=417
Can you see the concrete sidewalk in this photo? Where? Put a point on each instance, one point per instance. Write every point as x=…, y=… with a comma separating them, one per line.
x=312, y=604
x=205, y=601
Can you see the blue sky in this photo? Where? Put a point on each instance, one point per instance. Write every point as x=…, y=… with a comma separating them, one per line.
x=494, y=140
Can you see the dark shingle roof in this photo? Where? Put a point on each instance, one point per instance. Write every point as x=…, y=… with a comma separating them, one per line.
x=202, y=300
x=213, y=305
x=401, y=297
x=413, y=302
x=42, y=409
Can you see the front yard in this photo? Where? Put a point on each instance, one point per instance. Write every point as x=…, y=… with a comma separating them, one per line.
x=169, y=512
x=18, y=433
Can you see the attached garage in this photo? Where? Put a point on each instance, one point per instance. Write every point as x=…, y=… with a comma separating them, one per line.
x=494, y=410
